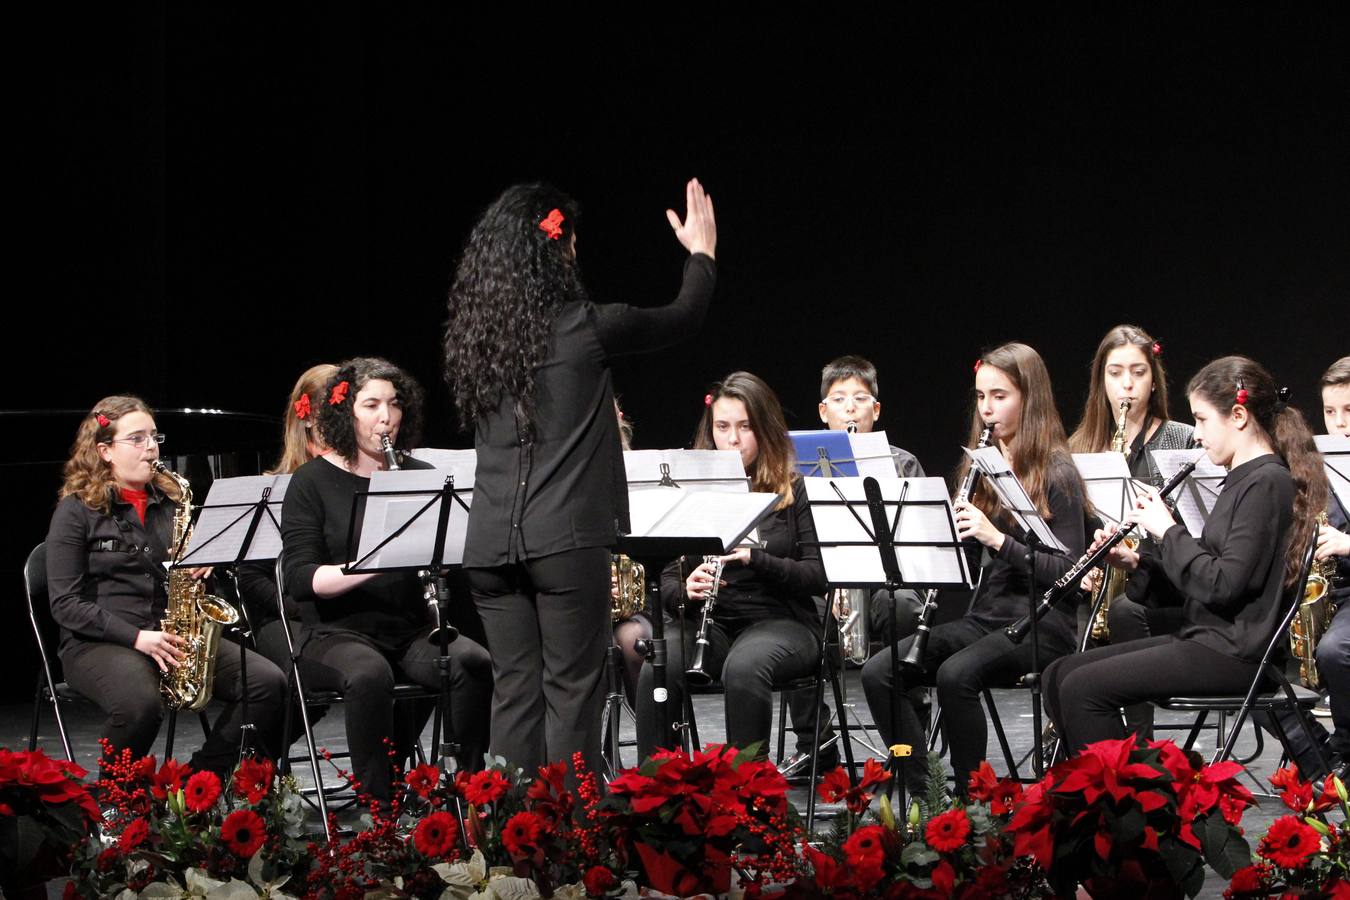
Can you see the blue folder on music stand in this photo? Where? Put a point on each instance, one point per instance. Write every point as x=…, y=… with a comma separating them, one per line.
x=824, y=454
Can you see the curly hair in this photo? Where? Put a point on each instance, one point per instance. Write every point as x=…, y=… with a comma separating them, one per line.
x=295, y=434
x=86, y=474
x=1284, y=426
x=336, y=421
x=1098, y=424
x=511, y=280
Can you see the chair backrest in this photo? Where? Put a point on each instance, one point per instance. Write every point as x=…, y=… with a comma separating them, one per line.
x=45, y=630
x=1292, y=599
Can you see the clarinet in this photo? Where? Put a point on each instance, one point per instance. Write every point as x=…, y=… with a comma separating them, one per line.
x=390, y=457
x=695, y=674
x=1087, y=562
x=914, y=658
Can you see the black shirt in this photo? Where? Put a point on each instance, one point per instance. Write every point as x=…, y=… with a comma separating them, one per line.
x=1231, y=579
x=565, y=488
x=780, y=579
x=388, y=609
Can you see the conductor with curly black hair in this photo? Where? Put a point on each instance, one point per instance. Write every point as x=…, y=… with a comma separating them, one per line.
x=527, y=357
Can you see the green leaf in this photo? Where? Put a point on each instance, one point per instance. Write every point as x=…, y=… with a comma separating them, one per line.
x=917, y=853
x=1225, y=850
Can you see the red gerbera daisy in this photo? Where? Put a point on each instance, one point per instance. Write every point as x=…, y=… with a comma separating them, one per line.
x=598, y=881
x=947, y=833
x=133, y=835
x=243, y=832
x=201, y=792
x=436, y=835
x=422, y=780
x=521, y=833
x=487, y=786
x=1289, y=843
x=253, y=779
x=864, y=847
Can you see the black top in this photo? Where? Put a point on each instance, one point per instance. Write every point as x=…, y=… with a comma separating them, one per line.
x=1230, y=580
x=779, y=581
x=1169, y=436
x=105, y=572
x=1338, y=519
x=565, y=488
x=389, y=609
x=1003, y=598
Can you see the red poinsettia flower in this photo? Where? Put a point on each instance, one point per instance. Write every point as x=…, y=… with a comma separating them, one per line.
x=1337, y=889
x=947, y=833
x=1248, y=880
x=133, y=835
x=436, y=834
x=1032, y=834
x=865, y=846
x=598, y=881
x=243, y=831
x=339, y=393
x=302, y=407
x=552, y=224
x=253, y=779
x=520, y=834
x=1289, y=843
x=422, y=780
x=487, y=786
x=169, y=779
x=943, y=875
x=201, y=791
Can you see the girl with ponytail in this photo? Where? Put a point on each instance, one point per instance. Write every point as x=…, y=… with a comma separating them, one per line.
x=1232, y=578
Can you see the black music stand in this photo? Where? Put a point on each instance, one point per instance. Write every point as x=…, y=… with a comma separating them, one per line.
x=915, y=546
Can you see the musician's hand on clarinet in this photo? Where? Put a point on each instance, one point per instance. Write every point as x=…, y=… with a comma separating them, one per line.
x=162, y=647
x=740, y=556
x=698, y=231
x=971, y=522
x=1331, y=542
x=699, y=582
x=1151, y=514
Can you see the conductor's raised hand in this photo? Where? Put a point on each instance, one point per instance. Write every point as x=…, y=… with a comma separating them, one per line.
x=698, y=231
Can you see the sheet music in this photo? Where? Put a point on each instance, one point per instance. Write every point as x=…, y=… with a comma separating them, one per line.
x=1335, y=450
x=873, y=453
x=927, y=522
x=1110, y=486
x=219, y=532
x=1195, y=498
x=462, y=461
x=847, y=454
x=999, y=475
x=386, y=512
x=703, y=468
x=728, y=516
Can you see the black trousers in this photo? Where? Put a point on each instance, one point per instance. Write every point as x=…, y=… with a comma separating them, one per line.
x=747, y=663
x=1085, y=693
x=124, y=683
x=1130, y=621
x=548, y=626
x=962, y=659
x=365, y=674
x=1333, y=667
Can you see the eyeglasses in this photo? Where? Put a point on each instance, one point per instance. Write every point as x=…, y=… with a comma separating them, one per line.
x=139, y=440
x=843, y=399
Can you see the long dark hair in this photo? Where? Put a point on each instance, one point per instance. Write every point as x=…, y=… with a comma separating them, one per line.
x=1217, y=384
x=1098, y=424
x=336, y=421
x=772, y=470
x=1039, y=440
x=511, y=280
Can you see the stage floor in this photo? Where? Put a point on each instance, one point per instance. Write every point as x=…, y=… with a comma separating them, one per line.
x=1014, y=706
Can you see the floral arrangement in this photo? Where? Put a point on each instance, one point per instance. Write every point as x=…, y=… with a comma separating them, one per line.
x=1133, y=818
x=45, y=810
x=1303, y=854
x=690, y=819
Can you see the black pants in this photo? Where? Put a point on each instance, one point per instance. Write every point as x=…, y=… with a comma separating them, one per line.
x=548, y=626
x=747, y=663
x=124, y=683
x=365, y=674
x=1085, y=693
x=962, y=659
x=270, y=641
x=1333, y=667
x=1130, y=621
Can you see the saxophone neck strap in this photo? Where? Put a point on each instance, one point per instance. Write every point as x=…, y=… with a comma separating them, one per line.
x=142, y=554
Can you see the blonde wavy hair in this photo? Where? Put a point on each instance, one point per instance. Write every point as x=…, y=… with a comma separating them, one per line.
x=86, y=474
x=295, y=436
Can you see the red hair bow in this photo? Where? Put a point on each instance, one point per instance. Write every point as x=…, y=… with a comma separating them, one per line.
x=103, y=421
x=552, y=224
x=707, y=399
x=302, y=407
x=339, y=393
x=978, y=363
x=1157, y=348
x=1242, y=397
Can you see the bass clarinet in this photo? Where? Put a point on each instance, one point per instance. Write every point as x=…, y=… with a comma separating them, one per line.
x=1017, y=631
x=914, y=658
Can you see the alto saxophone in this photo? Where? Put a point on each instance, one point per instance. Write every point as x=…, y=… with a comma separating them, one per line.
x=1314, y=617
x=192, y=614
x=1112, y=579
x=630, y=587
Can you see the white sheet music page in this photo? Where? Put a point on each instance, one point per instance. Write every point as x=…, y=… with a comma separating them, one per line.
x=1335, y=450
x=1109, y=484
x=706, y=470
x=218, y=534
x=464, y=462
x=727, y=516
x=1195, y=498
x=872, y=452
x=386, y=512
x=999, y=475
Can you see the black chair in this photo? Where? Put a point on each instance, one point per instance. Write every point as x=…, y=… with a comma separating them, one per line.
x=1259, y=698
x=403, y=691
x=50, y=688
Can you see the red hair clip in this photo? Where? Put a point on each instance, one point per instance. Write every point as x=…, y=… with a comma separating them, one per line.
x=339, y=393
x=302, y=407
x=979, y=362
x=1157, y=348
x=707, y=399
x=103, y=421
x=552, y=224
x=1242, y=397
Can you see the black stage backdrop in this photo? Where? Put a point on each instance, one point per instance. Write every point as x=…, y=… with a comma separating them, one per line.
x=217, y=196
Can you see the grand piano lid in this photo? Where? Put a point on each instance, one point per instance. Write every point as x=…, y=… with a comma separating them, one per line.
x=44, y=436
